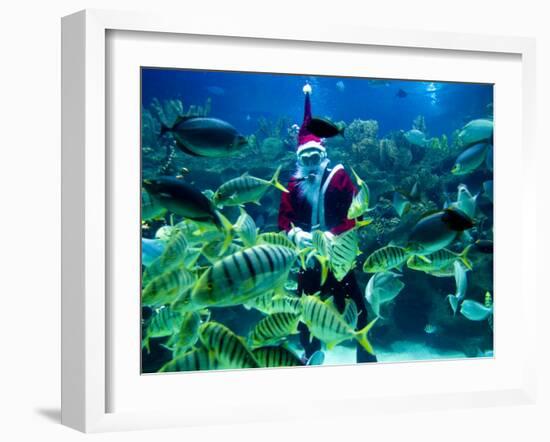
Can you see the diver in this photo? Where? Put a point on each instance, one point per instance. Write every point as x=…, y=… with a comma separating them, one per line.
x=319, y=198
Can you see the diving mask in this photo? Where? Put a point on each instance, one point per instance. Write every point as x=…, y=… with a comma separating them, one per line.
x=311, y=157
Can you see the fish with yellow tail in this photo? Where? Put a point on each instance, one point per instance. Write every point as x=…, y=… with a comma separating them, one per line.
x=239, y=277
x=173, y=255
x=440, y=260
x=188, y=333
x=327, y=325
x=269, y=304
x=273, y=328
x=343, y=252
x=166, y=288
x=228, y=348
x=164, y=322
x=386, y=258
x=246, y=189
x=246, y=229
x=360, y=202
x=275, y=239
x=276, y=357
x=199, y=359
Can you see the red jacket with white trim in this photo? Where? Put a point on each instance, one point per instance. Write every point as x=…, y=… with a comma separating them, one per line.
x=296, y=209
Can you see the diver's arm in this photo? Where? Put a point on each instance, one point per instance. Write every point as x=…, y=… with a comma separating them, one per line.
x=286, y=211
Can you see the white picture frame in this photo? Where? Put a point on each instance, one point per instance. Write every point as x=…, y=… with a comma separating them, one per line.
x=85, y=217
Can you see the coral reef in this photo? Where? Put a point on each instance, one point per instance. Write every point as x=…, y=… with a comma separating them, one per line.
x=419, y=123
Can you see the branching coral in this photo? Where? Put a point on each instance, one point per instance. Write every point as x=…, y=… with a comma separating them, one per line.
x=272, y=129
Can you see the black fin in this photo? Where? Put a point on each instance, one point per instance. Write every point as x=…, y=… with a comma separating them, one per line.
x=181, y=118
x=164, y=129
x=187, y=150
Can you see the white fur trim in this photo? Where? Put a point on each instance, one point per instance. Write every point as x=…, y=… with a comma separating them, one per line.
x=312, y=144
x=322, y=195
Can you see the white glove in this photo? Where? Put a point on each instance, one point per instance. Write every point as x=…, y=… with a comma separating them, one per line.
x=329, y=236
x=307, y=89
x=300, y=237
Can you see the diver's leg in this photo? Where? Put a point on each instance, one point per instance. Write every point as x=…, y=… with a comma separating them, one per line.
x=354, y=292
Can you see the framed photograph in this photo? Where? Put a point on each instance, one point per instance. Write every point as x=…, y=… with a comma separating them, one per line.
x=256, y=212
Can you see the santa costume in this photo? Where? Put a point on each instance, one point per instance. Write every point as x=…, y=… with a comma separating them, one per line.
x=318, y=199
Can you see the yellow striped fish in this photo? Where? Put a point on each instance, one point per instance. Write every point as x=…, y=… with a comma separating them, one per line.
x=164, y=322
x=275, y=239
x=343, y=253
x=328, y=326
x=270, y=304
x=200, y=359
x=199, y=232
x=386, y=258
x=273, y=328
x=215, y=250
x=165, y=288
x=242, y=276
x=188, y=333
x=246, y=189
x=321, y=247
x=228, y=348
x=246, y=229
x=360, y=202
x=172, y=256
x=276, y=357
x=442, y=259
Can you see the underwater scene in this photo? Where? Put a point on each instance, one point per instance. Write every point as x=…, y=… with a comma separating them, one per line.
x=295, y=220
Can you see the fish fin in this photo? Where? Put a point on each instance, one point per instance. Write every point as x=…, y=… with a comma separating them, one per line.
x=275, y=181
x=363, y=223
x=324, y=267
x=454, y=303
x=359, y=181
x=361, y=336
x=188, y=151
x=146, y=344
x=164, y=129
x=329, y=302
x=227, y=227
x=425, y=259
x=316, y=358
x=181, y=118
x=167, y=347
x=463, y=257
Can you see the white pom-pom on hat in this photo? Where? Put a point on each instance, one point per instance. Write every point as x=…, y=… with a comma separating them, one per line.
x=307, y=89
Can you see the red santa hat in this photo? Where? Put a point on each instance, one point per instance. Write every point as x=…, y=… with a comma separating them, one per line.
x=306, y=140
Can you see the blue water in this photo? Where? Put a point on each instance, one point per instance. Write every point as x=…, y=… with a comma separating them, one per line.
x=418, y=324
x=237, y=95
